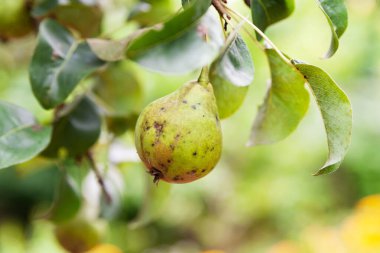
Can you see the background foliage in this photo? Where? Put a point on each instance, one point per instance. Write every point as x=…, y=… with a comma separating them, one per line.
x=260, y=199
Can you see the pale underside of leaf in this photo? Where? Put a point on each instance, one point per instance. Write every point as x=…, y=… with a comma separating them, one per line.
x=336, y=113
x=235, y=65
x=21, y=138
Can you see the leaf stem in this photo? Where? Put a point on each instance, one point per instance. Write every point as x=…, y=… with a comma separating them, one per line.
x=259, y=32
x=99, y=177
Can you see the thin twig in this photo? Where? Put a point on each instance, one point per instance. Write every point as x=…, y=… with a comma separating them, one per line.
x=259, y=32
x=99, y=177
x=220, y=8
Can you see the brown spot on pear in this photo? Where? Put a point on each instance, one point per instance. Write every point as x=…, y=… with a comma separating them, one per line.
x=180, y=132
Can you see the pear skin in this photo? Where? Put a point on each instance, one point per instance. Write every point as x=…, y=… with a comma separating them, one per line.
x=178, y=137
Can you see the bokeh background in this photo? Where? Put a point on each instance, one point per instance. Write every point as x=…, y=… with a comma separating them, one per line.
x=261, y=199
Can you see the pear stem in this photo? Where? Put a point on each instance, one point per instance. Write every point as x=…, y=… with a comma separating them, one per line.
x=203, y=77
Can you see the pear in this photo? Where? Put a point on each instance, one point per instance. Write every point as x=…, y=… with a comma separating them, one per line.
x=178, y=137
x=15, y=21
x=77, y=236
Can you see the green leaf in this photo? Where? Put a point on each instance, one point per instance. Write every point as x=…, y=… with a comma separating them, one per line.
x=336, y=14
x=120, y=89
x=336, y=112
x=180, y=45
x=151, y=12
x=21, y=138
x=230, y=74
x=59, y=64
x=43, y=7
x=75, y=131
x=285, y=104
x=67, y=201
x=235, y=64
x=268, y=12
x=185, y=3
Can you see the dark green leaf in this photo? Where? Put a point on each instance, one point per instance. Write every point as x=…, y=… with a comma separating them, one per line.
x=43, y=7
x=180, y=45
x=120, y=124
x=230, y=74
x=59, y=64
x=336, y=112
x=67, y=201
x=268, y=12
x=75, y=131
x=336, y=14
x=21, y=138
x=20, y=193
x=108, y=50
x=285, y=104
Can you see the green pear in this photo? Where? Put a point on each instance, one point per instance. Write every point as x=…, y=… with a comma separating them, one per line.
x=77, y=236
x=14, y=19
x=178, y=137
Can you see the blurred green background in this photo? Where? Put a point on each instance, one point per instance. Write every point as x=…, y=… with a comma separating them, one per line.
x=261, y=199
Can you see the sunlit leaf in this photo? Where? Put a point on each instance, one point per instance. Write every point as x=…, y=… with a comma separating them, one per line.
x=230, y=74
x=151, y=12
x=285, y=104
x=336, y=112
x=268, y=12
x=108, y=50
x=75, y=131
x=336, y=14
x=59, y=64
x=182, y=44
x=21, y=137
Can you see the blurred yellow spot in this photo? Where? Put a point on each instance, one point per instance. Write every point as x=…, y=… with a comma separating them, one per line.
x=361, y=230
x=105, y=248
x=323, y=240
x=369, y=203
x=213, y=251
x=284, y=247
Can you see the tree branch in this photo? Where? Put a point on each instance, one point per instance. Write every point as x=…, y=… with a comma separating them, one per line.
x=99, y=177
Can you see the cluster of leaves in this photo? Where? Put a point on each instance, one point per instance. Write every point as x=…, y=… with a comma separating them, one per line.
x=70, y=50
